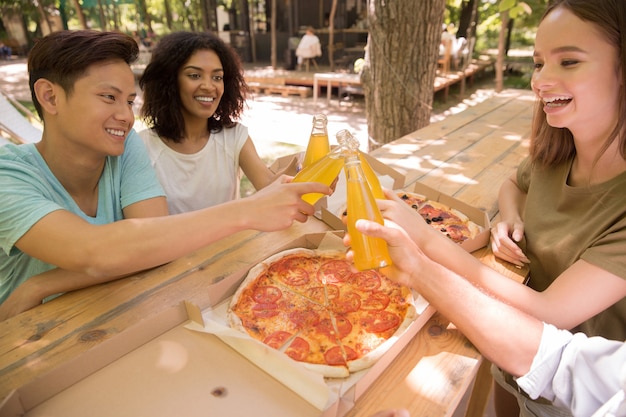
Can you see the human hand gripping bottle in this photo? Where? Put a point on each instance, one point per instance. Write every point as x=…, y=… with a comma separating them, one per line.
x=318, y=145
x=325, y=170
x=369, y=252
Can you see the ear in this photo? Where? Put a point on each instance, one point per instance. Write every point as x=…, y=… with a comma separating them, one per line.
x=47, y=95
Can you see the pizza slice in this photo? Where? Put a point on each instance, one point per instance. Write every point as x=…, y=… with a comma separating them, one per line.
x=412, y=199
x=447, y=220
x=262, y=310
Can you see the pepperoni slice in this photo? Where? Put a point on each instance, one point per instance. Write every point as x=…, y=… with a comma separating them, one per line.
x=380, y=321
x=344, y=327
x=266, y=295
x=334, y=271
x=298, y=349
x=265, y=310
x=290, y=271
x=295, y=277
x=376, y=301
x=277, y=339
x=317, y=294
x=350, y=353
x=325, y=326
x=456, y=232
x=304, y=319
x=367, y=280
x=346, y=303
x=332, y=292
x=334, y=356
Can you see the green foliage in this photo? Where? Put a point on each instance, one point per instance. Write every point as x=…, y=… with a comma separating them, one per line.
x=525, y=16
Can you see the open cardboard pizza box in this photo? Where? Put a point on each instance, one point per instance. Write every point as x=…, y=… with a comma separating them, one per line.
x=182, y=362
x=328, y=207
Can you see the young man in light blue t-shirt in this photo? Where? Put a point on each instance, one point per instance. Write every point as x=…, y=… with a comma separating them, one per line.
x=83, y=206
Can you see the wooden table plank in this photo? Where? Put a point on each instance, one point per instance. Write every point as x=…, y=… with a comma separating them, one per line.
x=442, y=355
x=470, y=154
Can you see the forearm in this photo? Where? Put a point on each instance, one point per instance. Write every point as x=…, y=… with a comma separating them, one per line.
x=511, y=201
x=35, y=289
x=506, y=336
x=130, y=245
x=150, y=242
x=58, y=281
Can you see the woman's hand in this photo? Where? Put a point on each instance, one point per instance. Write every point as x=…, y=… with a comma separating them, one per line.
x=505, y=237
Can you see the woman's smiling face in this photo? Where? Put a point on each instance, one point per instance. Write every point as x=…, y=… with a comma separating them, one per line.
x=576, y=73
x=201, y=84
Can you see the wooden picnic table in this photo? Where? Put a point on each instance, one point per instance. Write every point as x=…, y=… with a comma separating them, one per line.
x=466, y=155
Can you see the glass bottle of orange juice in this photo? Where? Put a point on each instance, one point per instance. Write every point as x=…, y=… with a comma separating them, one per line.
x=324, y=170
x=369, y=252
x=346, y=138
x=318, y=145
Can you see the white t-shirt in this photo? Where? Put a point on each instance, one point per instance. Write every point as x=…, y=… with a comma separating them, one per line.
x=309, y=47
x=206, y=178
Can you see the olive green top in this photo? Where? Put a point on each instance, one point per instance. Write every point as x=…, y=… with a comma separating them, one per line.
x=563, y=224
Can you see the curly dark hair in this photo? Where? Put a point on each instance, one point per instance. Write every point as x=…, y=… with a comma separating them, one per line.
x=162, y=107
x=63, y=57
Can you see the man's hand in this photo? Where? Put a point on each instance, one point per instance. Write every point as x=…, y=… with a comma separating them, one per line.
x=20, y=300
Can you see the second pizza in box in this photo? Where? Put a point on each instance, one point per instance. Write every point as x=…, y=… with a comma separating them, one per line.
x=460, y=222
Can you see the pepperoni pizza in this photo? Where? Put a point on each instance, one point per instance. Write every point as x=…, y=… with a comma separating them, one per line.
x=449, y=221
x=312, y=306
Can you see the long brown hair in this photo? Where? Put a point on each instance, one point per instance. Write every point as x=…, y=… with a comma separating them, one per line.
x=551, y=145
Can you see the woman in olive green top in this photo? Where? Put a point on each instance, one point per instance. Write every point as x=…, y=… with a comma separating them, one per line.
x=564, y=210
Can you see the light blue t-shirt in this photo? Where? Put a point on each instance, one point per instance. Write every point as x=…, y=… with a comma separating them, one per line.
x=29, y=191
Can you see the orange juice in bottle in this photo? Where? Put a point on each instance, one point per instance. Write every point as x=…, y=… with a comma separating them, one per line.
x=369, y=252
x=318, y=145
x=346, y=138
x=372, y=178
x=324, y=170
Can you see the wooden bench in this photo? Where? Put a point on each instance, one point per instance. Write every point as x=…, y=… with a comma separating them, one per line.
x=282, y=89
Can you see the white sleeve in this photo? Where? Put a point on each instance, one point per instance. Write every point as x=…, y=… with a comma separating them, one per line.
x=577, y=372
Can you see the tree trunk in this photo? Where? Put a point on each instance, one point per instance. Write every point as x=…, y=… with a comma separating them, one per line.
x=273, y=36
x=331, y=35
x=168, y=14
x=145, y=16
x=43, y=18
x=248, y=27
x=116, y=17
x=500, y=59
x=400, y=65
x=103, y=20
x=80, y=14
